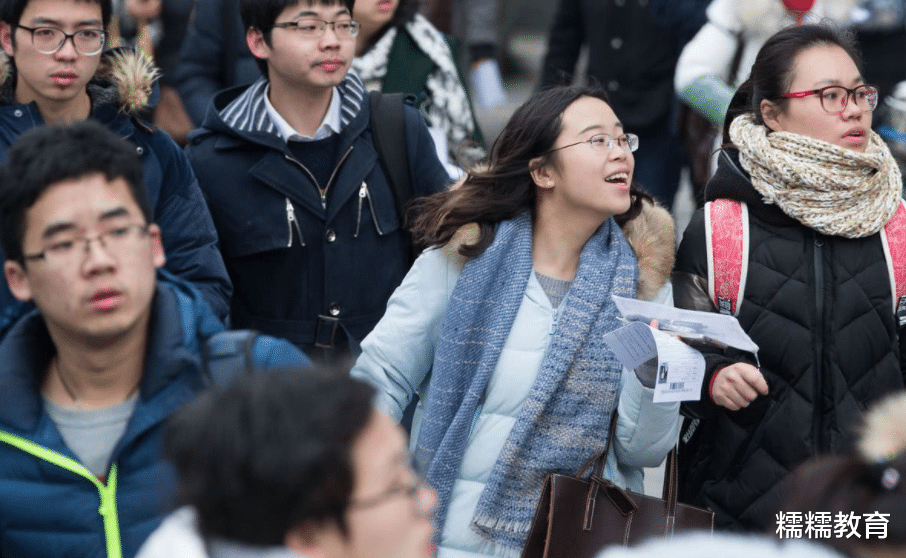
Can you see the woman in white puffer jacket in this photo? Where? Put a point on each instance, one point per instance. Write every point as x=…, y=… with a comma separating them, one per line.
x=702, y=77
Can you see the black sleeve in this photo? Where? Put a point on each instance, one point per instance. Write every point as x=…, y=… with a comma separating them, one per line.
x=563, y=44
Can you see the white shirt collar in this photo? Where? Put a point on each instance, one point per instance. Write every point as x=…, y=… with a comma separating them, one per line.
x=330, y=125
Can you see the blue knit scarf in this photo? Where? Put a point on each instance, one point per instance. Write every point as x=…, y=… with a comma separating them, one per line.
x=564, y=420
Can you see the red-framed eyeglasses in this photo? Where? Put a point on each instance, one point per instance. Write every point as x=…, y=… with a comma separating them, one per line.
x=834, y=98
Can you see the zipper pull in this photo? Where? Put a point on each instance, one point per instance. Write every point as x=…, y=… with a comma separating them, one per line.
x=290, y=217
x=363, y=192
x=290, y=222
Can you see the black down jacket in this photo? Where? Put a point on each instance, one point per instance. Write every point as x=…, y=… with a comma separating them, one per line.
x=820, y=309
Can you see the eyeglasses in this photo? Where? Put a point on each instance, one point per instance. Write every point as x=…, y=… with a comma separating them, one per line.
x=834, y=98
x=603, y=143
x=48, y=40
x=412, y=490
x=66, y=253
x=315, y=28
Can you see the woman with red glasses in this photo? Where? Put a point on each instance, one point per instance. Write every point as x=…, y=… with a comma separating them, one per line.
x=802, y=194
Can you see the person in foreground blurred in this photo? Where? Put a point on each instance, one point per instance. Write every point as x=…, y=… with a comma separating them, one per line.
x=499, y=326
x=294, y=464
x=819, y=187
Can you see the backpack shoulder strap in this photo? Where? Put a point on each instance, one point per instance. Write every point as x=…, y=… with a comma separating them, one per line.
x=893, y=238
x=226, y=353
x=727, y=239
x=388, y=128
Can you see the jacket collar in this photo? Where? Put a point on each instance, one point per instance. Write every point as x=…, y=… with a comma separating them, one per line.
x=179, y=320
x=242, y=111
x=731, y=181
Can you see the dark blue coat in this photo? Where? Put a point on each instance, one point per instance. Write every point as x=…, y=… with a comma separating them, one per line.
x=48, y=511
x=291, y=259
x=177, y=206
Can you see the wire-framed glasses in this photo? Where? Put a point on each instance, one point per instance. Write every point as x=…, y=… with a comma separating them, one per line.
x=311, y=28
x=66, y=252
x=834, y=98
x=603, y=143
x=48, y=40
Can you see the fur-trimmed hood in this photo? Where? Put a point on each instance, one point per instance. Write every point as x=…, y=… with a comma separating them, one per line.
x=125, y=77
x=652, y=236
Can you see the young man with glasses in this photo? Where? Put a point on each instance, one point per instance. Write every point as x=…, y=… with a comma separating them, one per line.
x=57, y=72
x=304, y=208
x=317, y=472
x=113, y=349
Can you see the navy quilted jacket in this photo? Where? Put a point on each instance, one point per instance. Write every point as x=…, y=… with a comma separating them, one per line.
x=177, y=205
x=50, y=508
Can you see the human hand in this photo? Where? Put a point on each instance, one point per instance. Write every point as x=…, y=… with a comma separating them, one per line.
x=737, y=385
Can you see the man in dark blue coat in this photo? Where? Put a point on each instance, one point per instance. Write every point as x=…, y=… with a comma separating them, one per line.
x=57, y=72
x=307, y=218
x=112, y=350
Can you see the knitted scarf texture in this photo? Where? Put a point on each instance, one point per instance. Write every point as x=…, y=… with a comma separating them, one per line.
x=828, y=188
x=564, y=419
x=447, y=104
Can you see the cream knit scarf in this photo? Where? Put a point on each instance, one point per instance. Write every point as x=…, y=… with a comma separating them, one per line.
x=825, y=187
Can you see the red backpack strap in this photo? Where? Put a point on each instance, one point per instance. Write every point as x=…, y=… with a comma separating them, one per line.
x=893, y=237
x=727, y=239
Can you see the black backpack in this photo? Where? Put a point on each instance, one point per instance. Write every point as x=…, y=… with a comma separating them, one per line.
x=388, y=125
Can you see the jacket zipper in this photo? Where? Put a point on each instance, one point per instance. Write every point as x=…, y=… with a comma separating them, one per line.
x=373, y=214
x=290, y=222
x=322, y=192
x=363, y=191
x=817, y=417
x=107, y=492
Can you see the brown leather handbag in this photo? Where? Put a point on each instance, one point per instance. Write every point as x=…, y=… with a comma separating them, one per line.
x=577, y=517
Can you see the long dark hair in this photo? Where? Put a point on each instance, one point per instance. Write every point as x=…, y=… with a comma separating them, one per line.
x=506, y=188
x=772, y=72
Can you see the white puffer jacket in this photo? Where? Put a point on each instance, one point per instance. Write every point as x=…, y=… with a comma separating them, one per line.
x=397, y=356
x=702, y=77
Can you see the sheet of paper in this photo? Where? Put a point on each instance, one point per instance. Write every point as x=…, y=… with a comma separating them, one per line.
x=681, y=369
x=709, y=327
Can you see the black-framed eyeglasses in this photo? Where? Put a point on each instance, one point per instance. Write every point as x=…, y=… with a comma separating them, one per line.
x=66, y=252
x=48, y=40
x=411, y=490
x=834, y=98
x=603, y=143
x=311, y=28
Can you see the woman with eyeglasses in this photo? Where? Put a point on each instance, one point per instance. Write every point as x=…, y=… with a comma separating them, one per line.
x=499, y=325
x=809, y=188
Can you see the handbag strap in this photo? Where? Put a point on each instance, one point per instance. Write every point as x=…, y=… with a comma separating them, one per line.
x=601, y=458
x=671, y=484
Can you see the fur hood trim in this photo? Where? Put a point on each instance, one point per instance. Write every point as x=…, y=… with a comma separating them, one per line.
x=765, y=17
x=125, y=77
x=883, y=437
x=651, y=235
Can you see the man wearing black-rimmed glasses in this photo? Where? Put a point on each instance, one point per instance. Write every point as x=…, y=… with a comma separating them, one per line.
x=88, y=379
x=308, y=217
x=58, y=72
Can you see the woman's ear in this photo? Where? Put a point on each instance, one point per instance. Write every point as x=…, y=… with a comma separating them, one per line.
x=770, y=114
x=541, y=173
